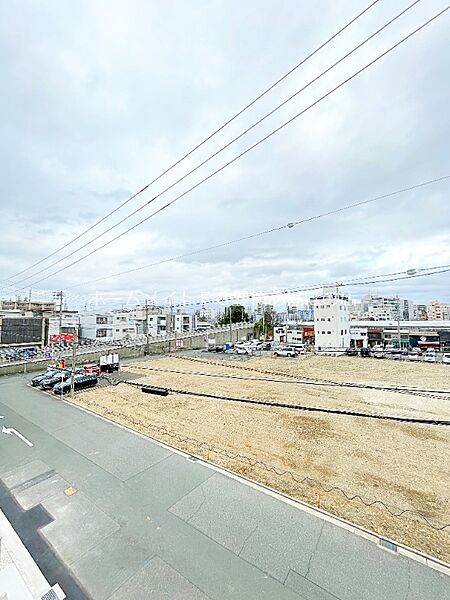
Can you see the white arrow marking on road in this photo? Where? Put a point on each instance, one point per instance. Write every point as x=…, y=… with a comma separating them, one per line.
x=10, y=431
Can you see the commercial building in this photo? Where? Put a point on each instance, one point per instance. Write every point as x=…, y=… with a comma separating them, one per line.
x=331, y=320
x=16, y=328
x=64, y=322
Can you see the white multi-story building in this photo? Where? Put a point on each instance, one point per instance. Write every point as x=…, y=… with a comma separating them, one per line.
x=158, y=324
x=208, y=314
x=166, y=323
x=385, y=308
x=331, y=320
x=438, y=311
x=182, y=323
x=113, y=325
x=287, y=335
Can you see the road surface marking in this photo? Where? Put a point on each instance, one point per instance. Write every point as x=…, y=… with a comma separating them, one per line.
x=11, y=431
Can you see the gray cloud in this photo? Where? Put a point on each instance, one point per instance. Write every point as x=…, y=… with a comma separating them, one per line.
x=100, y=98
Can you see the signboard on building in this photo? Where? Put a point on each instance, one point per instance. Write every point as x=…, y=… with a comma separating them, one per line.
x=63, y=337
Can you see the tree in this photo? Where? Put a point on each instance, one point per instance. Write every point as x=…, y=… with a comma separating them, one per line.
x=238, y=315
x=267, y=324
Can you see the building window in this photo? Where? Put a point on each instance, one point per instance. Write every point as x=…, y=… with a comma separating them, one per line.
x=329, y=319
x=101, y=333
x=342, y=332
x=329, y=332
x=102, y=320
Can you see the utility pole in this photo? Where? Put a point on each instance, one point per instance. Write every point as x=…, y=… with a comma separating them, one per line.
x=146, y=328
x=231, y=331
x=74, y=360
x=264, y=322
x=398, y=324
x=59, y=295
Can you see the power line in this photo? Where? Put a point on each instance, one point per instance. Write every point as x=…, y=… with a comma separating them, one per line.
x=266, y=231
x=227, y=145
x=241, y=154
x=387, y=278
x=209, y=137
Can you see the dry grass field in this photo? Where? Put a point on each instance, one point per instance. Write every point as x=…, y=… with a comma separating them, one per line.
x=330, y=458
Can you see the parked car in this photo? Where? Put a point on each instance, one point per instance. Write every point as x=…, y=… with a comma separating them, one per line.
x=365, y=352
x=27, y=352
x=61, y=375
x=430, y=355
x=446, y=358
x=267, y=346
x=351, y=352
x=218, y=348
x=243, y=350
x=92, y=369
x=413, y=356
x=38, y=378
x=287, y=351
x=80, y=382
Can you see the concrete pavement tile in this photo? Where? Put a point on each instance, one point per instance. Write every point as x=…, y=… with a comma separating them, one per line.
x=353, y=568
x=78, y=526
x=105, y=567
x=37, y=493
x=120, y=452
x=284, y=539
x=427, y=583
x=24, y=473
x=49, y=413
x=158, y=581
x=223, y=509
x=169, y=480
x=306, y=589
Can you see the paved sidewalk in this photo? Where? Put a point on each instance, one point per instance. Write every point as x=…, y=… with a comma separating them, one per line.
x=145, y=521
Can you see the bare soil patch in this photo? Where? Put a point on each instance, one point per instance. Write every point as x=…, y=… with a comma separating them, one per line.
x=361, y=469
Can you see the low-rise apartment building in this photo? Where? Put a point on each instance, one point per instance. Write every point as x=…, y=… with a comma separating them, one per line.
x=101, y=325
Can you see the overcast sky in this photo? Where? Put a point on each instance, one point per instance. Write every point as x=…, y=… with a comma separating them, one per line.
x=99, y=97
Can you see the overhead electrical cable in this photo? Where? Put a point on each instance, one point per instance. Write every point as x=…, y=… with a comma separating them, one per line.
x=345, y=283
x=205, y=140
x=220, y=150
x=248, y=149
x=289, y=225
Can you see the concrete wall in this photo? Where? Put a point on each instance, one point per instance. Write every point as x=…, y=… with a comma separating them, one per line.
x=193, y=342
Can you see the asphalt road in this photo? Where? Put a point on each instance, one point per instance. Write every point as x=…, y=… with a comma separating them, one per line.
x=142, y=521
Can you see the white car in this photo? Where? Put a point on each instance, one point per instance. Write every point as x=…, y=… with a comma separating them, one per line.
x=446, y=358
x=430, y=356
x=288, y=351
x=243, y=350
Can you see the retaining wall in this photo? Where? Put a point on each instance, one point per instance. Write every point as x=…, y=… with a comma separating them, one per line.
x=193, y=342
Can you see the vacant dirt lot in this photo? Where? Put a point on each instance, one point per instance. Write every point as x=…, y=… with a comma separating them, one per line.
x=330, y=458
